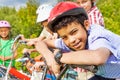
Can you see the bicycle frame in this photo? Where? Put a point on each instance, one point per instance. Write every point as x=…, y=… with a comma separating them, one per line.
x=92, y=69
x=43, y=68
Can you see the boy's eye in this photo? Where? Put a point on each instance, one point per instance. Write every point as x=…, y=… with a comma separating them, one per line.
x=73, y=32
x=64, y=37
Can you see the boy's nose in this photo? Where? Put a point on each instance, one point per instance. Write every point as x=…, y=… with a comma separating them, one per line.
x=71, y=39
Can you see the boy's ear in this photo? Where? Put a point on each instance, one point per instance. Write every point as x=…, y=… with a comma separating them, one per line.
x=86, y=24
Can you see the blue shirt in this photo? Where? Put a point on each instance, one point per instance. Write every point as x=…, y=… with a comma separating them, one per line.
x=100, y=37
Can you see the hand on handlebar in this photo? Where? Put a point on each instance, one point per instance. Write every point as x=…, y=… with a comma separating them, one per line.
x=28, y=42
x=26, y=50
x=52, y=65
x=22, y=37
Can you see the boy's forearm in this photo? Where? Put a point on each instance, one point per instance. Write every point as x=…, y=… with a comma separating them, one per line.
x=42, y=48
x=86, y=57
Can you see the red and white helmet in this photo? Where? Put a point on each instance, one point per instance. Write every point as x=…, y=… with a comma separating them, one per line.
x=43, y=12
x=4, y=23
x=63, y=9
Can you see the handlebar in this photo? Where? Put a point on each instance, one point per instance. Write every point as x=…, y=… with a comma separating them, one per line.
x=91, y=68
x=26, y=54
x=22, y=41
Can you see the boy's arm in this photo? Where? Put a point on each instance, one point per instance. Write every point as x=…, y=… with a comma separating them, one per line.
x=50, y=43
x=29, y=50
x=42, y=48
x=86, y=57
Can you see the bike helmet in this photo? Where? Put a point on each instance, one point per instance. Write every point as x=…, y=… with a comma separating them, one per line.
x=63, y=9
x=43, y=12
x=4, y=23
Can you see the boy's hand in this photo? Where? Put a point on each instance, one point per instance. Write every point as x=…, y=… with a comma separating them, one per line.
x=56, y=68
x=42, y=48
x=26, y=50
x=22, y=37
x=31, y=43
x=53, y=66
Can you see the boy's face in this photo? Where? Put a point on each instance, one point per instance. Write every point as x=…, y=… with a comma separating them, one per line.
x=86, y=4
x=44, y=23
x=74, y=36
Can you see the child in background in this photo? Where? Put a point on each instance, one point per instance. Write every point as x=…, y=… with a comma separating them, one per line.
x=6, y=43
x=94, y=15
x=89, y=44
x=43, y=13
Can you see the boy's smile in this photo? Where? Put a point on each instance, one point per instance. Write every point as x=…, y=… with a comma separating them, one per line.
x=74, y=36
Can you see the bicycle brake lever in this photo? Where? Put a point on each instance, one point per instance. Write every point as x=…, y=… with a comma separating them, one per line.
x=22, y=42
x=22, y=59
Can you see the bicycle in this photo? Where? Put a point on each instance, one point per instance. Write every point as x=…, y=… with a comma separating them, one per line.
x=44, y=68
x=11, y=73
x=43, y=72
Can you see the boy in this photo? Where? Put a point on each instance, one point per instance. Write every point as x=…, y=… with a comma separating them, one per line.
x=88, y=45
x=43, y=13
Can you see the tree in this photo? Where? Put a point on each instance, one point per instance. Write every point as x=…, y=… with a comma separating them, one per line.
x=28, y=19
x=111, y=12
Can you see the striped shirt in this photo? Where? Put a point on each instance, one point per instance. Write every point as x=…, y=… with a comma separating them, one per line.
x=95, y=16
x=100, y=37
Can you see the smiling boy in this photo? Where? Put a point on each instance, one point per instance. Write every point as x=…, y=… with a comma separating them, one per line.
x=88, y=44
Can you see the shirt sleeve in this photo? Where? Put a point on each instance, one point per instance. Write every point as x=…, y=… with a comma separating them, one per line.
x=100, y=42
x=61, y=45
x=103, y=39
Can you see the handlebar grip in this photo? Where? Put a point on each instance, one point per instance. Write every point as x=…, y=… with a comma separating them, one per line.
x=32, y=61
x=22, y=41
